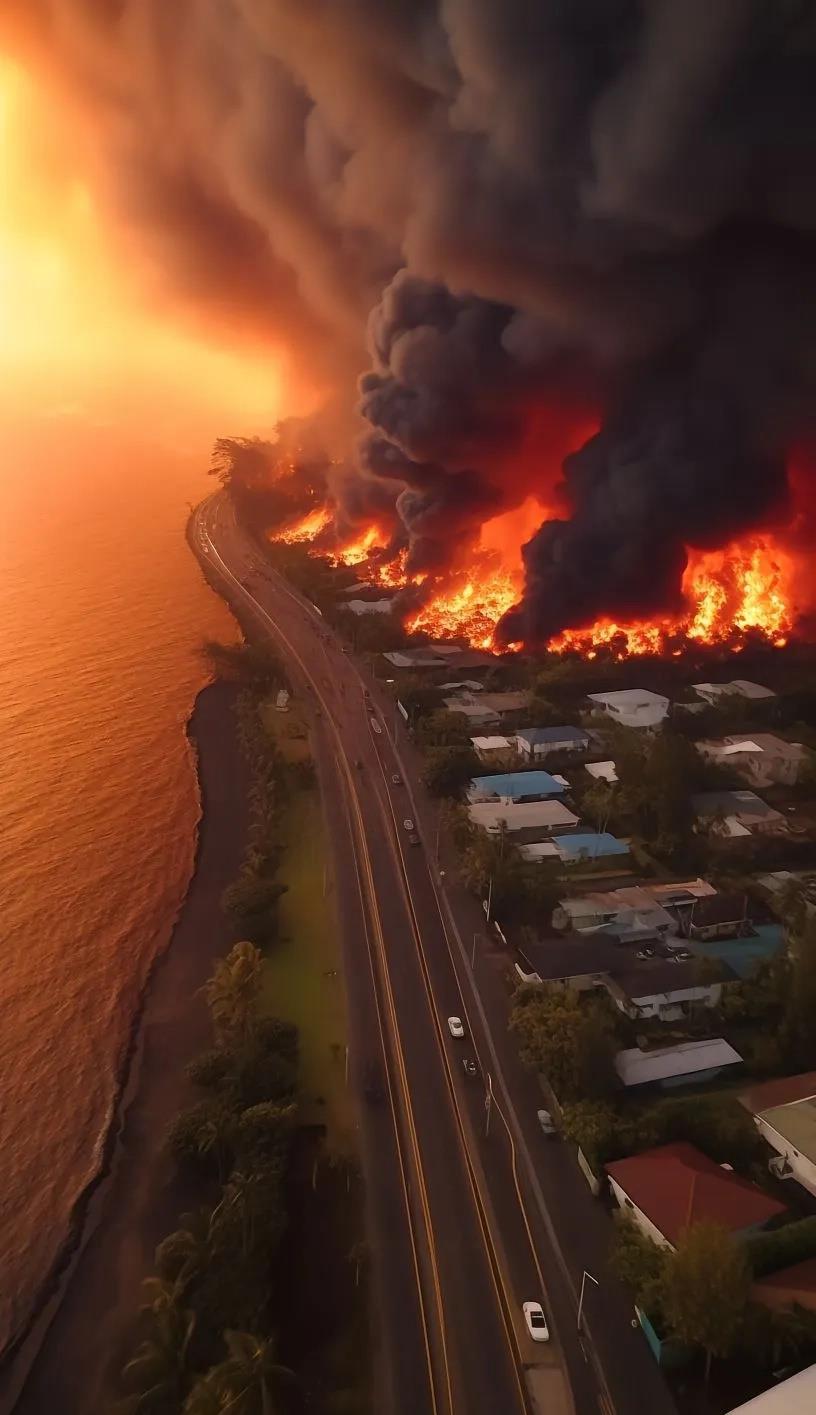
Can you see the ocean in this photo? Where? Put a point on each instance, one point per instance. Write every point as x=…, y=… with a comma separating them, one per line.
x=102, y=613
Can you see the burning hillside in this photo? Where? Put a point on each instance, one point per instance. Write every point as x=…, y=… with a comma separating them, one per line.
x=744, y=590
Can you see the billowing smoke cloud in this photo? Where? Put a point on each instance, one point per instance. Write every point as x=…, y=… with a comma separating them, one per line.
x=539, y=211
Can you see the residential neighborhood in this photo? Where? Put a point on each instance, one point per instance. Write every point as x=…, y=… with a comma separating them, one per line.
x=650, y=884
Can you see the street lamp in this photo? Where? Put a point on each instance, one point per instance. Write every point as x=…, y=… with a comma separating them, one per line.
x=488, y=1103
x=581, y=1298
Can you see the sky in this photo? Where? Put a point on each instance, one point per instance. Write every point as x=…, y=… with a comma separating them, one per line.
x=84, y=341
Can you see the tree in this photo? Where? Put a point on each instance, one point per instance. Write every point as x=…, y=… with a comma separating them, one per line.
x=204, y=1135
x=249, y=1382
x=640, y=1264
x=598, y=803
x=443, y=729
x=798, y=1032
x=597, y=1129
x=233, y=993
x=448, y=769
x=705, y=1291
x=158, y=1371
x=183, y=1255
x=570, y=1042
x=253, y=899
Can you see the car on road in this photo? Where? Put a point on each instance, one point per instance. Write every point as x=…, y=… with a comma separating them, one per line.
x=456, y=1027
x=407, y=824
x=536, y=1321
x=469, y=1066
x=413, y=839
x=546, y=1122
x=396, y=779
x=375, y=724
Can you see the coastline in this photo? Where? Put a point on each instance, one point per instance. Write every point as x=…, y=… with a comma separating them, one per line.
x=77, y=1334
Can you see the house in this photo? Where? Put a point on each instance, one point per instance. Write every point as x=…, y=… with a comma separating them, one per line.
x=762, y=758
x=667, y=1189
x=794, y=1286
x=444, y=655
x=542, y=817
x=668, y=1067
x=795, y=1396
x=633, y=707
x=506, y=704
x=784, y=1113
x=740, y=687
x=632, y=907
x=665, y=988
x=575, y=848
x=512, y=786
x=654, y=987
x=494, y=749
x=370, y=606
x=602, y=771
x=536, y=742
x=715, y=916
x=474, y=709
x=736, y=813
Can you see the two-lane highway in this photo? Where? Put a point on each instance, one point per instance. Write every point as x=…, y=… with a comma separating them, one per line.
x=469, y=1279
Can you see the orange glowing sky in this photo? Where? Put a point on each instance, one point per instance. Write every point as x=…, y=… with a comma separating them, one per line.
x=79, y=336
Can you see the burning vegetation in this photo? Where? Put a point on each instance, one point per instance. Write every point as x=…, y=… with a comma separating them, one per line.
x=745, y=590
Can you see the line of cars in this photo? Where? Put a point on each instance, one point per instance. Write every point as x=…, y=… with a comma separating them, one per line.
x=533, y=1312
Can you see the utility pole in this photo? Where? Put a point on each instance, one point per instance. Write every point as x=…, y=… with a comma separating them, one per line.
x=473, y=954
x=488, y=1103
x=581, y=1298
x=489, y=899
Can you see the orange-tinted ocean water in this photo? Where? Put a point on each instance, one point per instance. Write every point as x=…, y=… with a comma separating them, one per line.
x=102, y=611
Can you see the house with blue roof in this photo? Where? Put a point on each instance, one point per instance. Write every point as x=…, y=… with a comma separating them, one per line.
x=535, y=743
x=510, y=786
x=577, y=847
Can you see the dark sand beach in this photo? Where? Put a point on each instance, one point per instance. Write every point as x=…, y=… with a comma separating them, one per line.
x=139, y=1200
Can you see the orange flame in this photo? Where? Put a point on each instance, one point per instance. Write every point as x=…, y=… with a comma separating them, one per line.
x=745, y=588
x=306, y=528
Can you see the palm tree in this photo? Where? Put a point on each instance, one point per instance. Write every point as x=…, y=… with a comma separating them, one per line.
x=158, y=1371
x=232, y=993
x=246, y=1383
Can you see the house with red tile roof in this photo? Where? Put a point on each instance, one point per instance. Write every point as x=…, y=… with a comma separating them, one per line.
x=667, y=1189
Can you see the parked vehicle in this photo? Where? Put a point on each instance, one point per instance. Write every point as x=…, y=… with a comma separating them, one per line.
x=546, y=1122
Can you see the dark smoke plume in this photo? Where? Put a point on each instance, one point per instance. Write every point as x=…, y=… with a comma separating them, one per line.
x=543, y=212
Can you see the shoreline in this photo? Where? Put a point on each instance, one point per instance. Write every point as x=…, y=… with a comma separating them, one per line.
x=87, y=1305
x=20, y=1355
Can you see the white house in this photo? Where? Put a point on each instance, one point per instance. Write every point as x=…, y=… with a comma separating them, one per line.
x=795, y=1396
x=537, y=742
x=543, y=816
x=660, y=992
x=493, y=749
x=679, y=1065
x=633, y=707
x=603, y=771
x=784, y=1113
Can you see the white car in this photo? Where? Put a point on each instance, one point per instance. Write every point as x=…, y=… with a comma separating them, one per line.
x=375, y=724
x=407, y=824
x=455, y=1027
x=536, y=1321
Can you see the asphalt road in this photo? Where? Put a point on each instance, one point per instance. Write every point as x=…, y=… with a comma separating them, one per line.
x=471, y=1210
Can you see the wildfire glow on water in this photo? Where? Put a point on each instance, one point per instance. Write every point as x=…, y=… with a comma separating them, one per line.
x=744, y=588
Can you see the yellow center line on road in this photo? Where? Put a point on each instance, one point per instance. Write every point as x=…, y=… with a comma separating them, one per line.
x=505, y=1305
x=376, y=920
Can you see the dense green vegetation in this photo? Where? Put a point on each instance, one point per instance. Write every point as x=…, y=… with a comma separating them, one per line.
x=240, y=1279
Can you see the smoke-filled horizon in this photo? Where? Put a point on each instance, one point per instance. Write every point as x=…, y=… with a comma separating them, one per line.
x=512, y=221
